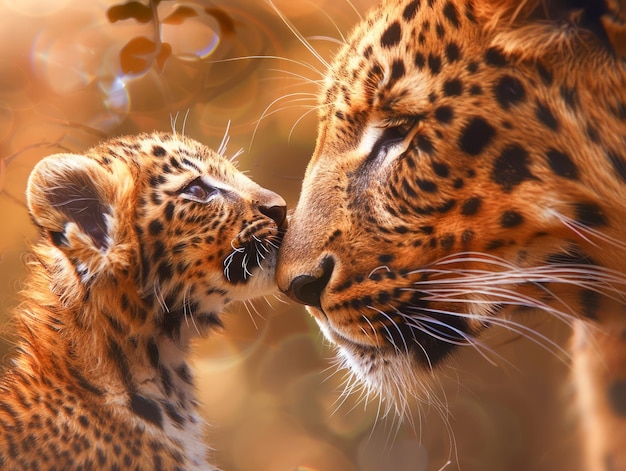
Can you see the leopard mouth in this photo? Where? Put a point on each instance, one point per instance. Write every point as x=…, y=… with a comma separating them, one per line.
x=245, y=260
x=426, y=340
x=386, y=314
x=338, y=338
x=343, y=339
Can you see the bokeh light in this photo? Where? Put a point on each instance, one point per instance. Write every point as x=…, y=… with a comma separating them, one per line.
x=268, y=387
x=199, y=38
x=35, y=8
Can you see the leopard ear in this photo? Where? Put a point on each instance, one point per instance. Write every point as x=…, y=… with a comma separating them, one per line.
x=69, y=197
x=614, y=24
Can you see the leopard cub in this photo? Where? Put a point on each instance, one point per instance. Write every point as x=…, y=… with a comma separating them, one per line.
x=145, y=239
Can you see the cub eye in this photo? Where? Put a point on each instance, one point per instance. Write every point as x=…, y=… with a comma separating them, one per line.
x=197, y=190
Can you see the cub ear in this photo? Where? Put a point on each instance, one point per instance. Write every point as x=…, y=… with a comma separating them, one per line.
x=68, y=188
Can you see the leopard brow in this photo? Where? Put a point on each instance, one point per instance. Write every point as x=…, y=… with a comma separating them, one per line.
x=214, y=183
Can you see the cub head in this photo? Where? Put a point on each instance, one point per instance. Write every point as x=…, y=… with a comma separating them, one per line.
x=157, y=224
x=469, y=165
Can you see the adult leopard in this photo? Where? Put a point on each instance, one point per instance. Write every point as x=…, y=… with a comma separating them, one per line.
x=145, y=239
x=471, y=166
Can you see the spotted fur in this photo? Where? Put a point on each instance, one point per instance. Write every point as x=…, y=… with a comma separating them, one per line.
x=145, y=239
x=471, y=166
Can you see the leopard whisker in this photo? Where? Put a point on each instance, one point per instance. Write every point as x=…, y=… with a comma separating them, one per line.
x=303, y=78
x=390, y=336
x=515, y=327
x=247, y=307
x=259, y=259
x=257, y=253
x=221, y=150
x=364, y=395
x=303, y=64
x=272, y=243
x=266, y=112
x=334, y=369
x=229, y=259
x=280, y=298
x=158, y=294
x=604, y=281
x=350, y=384
x=289, y=106
x=427, y=325
x=583, y=270
x=498, y=296
x=299, y=36
x=255, y=309
x=394, y=323
x=174, y=120
x=330, y=39
x=382, y=267
x=426, y=355
x=233, y=158
x=481, y=348
x=471, y=256
x=444, y=412
x=72, y=201
x=182, y=131
x=267, y=301
x=293, y=127
x=600, y=280
x=583, y=230
x=227, y=262
x=295, y=97
x=244, y=264
x=364, y=317
x=187, y=311
x=332, y=21
x=378, y=416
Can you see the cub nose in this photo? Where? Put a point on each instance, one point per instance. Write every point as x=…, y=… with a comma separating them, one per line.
x=277, y=212
x=307, y=289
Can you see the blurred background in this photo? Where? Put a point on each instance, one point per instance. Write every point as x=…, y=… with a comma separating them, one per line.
x=73, y=73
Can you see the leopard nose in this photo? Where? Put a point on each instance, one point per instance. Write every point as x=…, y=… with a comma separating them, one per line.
x=307, y=289
x=278, y=213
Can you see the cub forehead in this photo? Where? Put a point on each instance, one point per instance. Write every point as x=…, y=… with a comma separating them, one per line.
x=158, y=157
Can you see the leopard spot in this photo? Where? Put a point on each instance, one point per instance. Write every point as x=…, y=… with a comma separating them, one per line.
x=392, y=35
x=476, y=135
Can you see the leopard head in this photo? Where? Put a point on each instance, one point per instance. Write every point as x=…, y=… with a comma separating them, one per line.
x=469, y=166
x=156, y=227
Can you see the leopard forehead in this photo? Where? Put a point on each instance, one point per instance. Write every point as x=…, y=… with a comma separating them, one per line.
x=438, y=60
x=155, y=158
x=428, y=92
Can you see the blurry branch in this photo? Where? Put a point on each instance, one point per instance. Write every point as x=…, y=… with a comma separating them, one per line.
x=43, y=144
x=4, y=163
x=140, y=53
x=83, y=127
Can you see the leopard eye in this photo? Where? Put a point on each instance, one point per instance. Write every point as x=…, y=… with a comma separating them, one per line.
x=393, y=135
x=198, y=190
